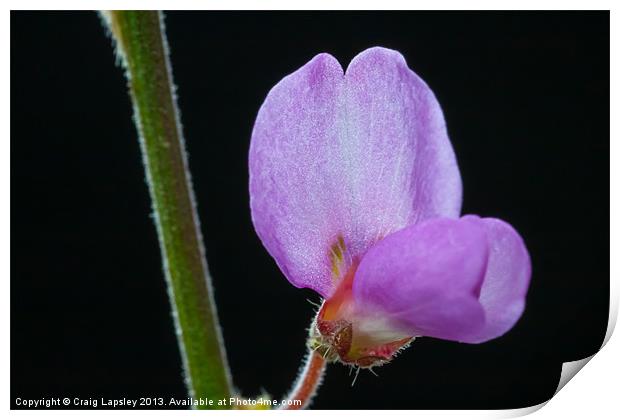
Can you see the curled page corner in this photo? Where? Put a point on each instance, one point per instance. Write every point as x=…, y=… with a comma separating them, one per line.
x=569, y=370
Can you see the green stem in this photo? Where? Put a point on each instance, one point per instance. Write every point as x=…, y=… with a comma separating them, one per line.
x=141, y=45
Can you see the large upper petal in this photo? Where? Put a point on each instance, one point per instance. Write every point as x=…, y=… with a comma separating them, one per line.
x=426, y=279
x=347, y=159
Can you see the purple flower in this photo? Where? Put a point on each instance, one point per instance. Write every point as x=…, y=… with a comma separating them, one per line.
x=356, y=193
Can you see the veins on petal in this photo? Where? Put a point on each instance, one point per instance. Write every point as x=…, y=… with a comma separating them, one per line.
x=337, y=256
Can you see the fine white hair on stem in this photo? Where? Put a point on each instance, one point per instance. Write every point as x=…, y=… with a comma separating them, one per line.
x=308, y=380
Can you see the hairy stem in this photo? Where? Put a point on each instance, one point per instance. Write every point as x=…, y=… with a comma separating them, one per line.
x=142, y=47
x=307, y=383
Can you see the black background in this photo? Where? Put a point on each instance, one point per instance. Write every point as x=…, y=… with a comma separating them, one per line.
x=526, y=99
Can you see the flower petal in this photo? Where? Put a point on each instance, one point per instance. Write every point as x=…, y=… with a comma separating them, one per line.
x=506, y=280
x=338, y=162
x=427, y=278
x=294, y=197
x=402, y=151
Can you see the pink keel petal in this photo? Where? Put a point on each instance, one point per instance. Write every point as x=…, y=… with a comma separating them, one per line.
x=355, y=157
x=426, y=278
x=506, y=280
